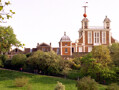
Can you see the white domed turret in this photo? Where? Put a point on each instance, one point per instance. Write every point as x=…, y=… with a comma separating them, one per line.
x=65, y=45
x=65, y=38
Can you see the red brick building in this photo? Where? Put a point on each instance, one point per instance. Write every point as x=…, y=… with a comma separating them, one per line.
x=89, y=36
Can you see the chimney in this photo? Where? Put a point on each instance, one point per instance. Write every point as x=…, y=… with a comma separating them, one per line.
x=37, y=44
x=50, y=44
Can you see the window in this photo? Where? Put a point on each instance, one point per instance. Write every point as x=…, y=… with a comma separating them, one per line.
x=86, y=25
x=89, y=49
x=80, y=49
x=65, y=44
x=89, y=37
x=43, y=49
x=103, y=37
x=107, y=25
x=66, y=51
x=96, y=37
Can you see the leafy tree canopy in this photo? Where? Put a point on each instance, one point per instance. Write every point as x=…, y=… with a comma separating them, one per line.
x=4, y=13
x=114, y=52
x=7, y=39
x=102, y=55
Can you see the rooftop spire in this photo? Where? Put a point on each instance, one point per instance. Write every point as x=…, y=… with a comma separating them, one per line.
x=64, y=33
x=85, y=6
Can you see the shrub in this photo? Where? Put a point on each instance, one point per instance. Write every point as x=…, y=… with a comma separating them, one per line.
x=87, y=83
x=3, y=58
x=59, y=86
x=18, y=60
x=20, y=82
x=113, y=86
x=47, y=62
x=1, y=63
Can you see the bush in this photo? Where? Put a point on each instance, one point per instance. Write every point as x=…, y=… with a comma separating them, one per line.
x=18, y=60
x=1, y=63
x=113, y=86
x=3, y=58
x=59, y=86
x=87, y=83
x=47, y=62
x=20, y=82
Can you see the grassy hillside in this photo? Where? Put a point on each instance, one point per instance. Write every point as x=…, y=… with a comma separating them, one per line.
x=37, y=82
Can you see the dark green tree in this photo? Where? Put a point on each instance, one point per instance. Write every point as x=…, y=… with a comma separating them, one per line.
x=114, y=52
x=47, y=62
x=18, y=61
x=96, y=64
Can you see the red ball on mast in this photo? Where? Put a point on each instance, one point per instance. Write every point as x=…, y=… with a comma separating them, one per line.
x=85, y=15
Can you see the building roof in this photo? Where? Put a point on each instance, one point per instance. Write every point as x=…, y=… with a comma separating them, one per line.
x=43, y=44
x=85, y=19
x=107, y=19
x=65, y=38
x=95, y=27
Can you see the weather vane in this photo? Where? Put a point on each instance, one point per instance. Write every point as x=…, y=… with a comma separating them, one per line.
x=85, y=6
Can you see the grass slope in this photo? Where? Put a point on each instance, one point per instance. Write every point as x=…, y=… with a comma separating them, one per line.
x=37, y=82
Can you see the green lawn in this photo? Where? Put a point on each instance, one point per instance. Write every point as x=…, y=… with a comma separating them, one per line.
x=37, y=82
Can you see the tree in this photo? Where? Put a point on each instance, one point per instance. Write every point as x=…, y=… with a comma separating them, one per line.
x=18, y=60
x=114, y=52
x=47, y=62
x=102, y=55
x=96, y=64
x=7, y=39
x=4, y=14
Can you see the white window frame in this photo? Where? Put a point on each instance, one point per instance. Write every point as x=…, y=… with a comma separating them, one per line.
x=104, y=37
x=80, y=49
x=66, y=50
x=89, y=48
x=96, y=38
x=89, y=37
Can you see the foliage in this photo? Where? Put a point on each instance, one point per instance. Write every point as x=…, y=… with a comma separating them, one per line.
x=114, y=52
x=87, y=83
x=28, y=54
x=47, y=62
x=93, y=67
x=76, y=64
x=1, y=63
x=59, y=86
x=102, y=55
x=3, y=58
x=7, y=39
x=20, y=82
x=73, y=74
x=18, y=60
x=5, y=14
x=113, y=86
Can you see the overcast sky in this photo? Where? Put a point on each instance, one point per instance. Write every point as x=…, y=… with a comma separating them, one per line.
x=38, y=21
